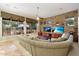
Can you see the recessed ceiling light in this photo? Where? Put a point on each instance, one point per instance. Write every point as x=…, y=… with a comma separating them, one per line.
x=7, y=4
x=14, y=7
x=61, y=8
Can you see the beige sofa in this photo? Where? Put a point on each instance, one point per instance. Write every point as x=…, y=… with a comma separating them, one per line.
x=46, y=48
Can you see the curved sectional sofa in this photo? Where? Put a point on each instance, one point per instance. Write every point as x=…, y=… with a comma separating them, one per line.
x=46, y=48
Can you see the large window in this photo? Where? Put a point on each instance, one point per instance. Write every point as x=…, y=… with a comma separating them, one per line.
x=11, y=27
x=31, y=28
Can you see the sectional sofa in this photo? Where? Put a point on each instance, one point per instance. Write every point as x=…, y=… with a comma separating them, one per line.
x=38, y=47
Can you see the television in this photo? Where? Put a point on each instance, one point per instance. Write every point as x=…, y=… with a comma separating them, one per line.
x=47, y=29
x=52, y=28
x=59, y=29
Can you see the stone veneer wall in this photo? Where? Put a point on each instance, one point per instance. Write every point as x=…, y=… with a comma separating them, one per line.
x=78, y=26
x=62, y=18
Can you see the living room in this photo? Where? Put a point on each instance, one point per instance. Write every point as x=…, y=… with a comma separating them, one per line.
x=51, y=28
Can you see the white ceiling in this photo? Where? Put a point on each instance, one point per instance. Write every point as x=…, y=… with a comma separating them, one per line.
x=45, y=9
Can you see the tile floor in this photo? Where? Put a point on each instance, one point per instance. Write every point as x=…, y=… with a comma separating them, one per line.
x=12, y=48
x=75, y=50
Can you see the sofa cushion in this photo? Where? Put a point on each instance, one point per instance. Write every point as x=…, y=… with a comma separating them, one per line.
x=56, y=35
x=43, y=37
x=65, y=35
x=52, y=40
x=58, y=39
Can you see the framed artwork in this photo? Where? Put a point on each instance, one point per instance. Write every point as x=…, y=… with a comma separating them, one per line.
x=70, y=22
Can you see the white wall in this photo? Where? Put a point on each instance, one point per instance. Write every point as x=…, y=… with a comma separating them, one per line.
x=0, y=26
x=25, y=26
x=37, y=27
x=78, y=26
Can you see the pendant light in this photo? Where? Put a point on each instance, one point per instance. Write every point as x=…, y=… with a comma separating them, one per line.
x=37, y=17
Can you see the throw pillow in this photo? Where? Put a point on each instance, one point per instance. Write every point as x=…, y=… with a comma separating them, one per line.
x=56, y=35
x=65, y=35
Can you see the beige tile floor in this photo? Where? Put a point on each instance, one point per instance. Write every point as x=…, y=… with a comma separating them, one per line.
x=75, y=50
x=12, y=48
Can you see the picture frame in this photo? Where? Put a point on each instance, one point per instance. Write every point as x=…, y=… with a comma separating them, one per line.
x=70, y=21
